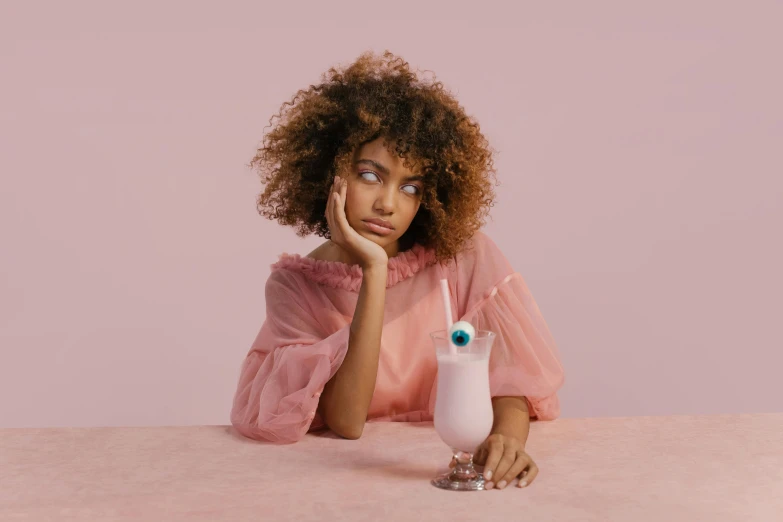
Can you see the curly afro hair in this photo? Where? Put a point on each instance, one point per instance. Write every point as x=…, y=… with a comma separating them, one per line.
x=375, y=97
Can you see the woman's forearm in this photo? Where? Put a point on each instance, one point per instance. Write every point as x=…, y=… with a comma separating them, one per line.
x=512, y=417
x=346, y=398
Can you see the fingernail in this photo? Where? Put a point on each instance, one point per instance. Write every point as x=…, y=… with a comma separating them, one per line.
x=488, y=475
x=522, y=484
x=488, y=485
x=501, y=484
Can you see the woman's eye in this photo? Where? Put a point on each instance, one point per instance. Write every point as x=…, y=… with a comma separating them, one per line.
x=414, y=187
x=368, y=173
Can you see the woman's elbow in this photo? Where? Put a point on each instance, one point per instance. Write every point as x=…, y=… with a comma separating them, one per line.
x=346, y=424
x=352, y=433
x=347, y=430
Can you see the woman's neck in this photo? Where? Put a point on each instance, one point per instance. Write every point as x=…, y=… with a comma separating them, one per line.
x=331, y=251
x=391, y=249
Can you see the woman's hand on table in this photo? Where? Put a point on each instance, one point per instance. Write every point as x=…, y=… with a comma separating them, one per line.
x=504, y=459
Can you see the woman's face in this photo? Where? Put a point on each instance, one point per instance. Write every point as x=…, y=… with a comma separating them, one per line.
x=383, y=196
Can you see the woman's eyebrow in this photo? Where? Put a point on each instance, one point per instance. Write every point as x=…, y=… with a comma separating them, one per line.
x=375, y=164
x=385, y=170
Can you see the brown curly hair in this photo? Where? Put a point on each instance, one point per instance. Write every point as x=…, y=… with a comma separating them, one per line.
x=378, y=97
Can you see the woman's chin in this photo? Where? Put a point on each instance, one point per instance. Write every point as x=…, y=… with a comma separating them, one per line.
x=375, y=238
x=383, y=241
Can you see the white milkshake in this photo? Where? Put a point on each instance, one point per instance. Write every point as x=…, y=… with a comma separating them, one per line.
x=463, y=407
x=463, y=404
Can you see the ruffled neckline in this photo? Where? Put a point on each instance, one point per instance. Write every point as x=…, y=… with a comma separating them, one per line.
x=349, y=277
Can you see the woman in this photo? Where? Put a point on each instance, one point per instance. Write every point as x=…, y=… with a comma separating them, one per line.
x=398, y=179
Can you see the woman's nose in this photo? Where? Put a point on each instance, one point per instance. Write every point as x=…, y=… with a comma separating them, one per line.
x=385, y=201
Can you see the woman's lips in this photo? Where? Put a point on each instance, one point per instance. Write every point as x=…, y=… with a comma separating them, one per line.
x=378, y=229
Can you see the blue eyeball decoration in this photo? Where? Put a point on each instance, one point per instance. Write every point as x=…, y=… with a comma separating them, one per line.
x=462, y=333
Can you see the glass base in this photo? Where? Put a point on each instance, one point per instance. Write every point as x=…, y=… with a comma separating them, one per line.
x=455, y=481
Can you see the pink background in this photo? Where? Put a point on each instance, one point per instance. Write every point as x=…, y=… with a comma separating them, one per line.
x=639, y=151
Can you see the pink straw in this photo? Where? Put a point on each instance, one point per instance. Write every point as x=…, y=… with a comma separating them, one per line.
x=444, y=292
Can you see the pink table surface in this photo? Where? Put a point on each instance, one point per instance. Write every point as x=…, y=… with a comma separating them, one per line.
x=683, y=468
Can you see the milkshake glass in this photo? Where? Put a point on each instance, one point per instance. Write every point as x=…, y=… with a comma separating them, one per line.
x=463, y=405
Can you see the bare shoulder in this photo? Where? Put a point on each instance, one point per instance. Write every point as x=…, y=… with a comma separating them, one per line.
x=323, y=252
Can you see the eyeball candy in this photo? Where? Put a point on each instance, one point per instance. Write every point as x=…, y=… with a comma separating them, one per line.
x=462, y=333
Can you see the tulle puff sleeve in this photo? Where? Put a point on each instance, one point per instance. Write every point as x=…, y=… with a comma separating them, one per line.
x=292, y=358
x=524, y=360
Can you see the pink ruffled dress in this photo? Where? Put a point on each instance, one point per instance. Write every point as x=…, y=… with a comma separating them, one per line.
x=310, y=305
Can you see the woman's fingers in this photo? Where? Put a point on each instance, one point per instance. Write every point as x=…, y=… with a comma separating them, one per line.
x=329, y=203
x=504, y=464
x=334, y=202
x=522, y=461
x=480, y=457
x=494, y=453
x=530, y=475
x=339, y=209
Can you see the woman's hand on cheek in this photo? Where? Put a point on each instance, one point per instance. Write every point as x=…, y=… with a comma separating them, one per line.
x=369, y=254
x=504, y=459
